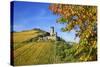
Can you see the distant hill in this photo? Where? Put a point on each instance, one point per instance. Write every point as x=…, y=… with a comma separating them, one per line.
x=29, y=50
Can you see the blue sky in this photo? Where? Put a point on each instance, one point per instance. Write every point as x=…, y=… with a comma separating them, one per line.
x=29, y=15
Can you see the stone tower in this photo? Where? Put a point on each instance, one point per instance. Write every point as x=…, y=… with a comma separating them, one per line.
x=53, y=34
x=52, y=31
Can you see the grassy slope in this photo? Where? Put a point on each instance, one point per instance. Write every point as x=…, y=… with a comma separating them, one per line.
x=42, y=52
x=25, y=35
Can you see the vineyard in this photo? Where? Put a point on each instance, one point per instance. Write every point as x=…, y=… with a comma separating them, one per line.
x=35, y=52
x=27, y=51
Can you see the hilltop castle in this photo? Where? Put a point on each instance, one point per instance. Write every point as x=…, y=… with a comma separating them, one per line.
x=52, y=36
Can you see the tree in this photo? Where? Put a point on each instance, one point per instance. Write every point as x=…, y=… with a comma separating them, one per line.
x=83, y=19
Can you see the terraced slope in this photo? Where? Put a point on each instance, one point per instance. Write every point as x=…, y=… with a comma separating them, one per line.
x=33, y=52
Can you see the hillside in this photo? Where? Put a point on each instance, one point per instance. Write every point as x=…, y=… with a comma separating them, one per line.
x=28, y=50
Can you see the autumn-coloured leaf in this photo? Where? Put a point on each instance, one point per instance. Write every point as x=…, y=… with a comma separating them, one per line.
x=86, y=21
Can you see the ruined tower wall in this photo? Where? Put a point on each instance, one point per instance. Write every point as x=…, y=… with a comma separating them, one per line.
x=52, y=31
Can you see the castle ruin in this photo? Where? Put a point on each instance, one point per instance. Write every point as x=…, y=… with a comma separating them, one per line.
x=52, y=36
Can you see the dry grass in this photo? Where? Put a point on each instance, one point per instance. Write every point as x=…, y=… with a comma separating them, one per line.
x=35, y=53
x=42, y=52
x=22, y=36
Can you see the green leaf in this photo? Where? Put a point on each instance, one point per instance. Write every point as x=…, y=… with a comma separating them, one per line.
x=62, y=20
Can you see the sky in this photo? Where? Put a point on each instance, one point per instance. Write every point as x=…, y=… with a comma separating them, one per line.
x=29, y=15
